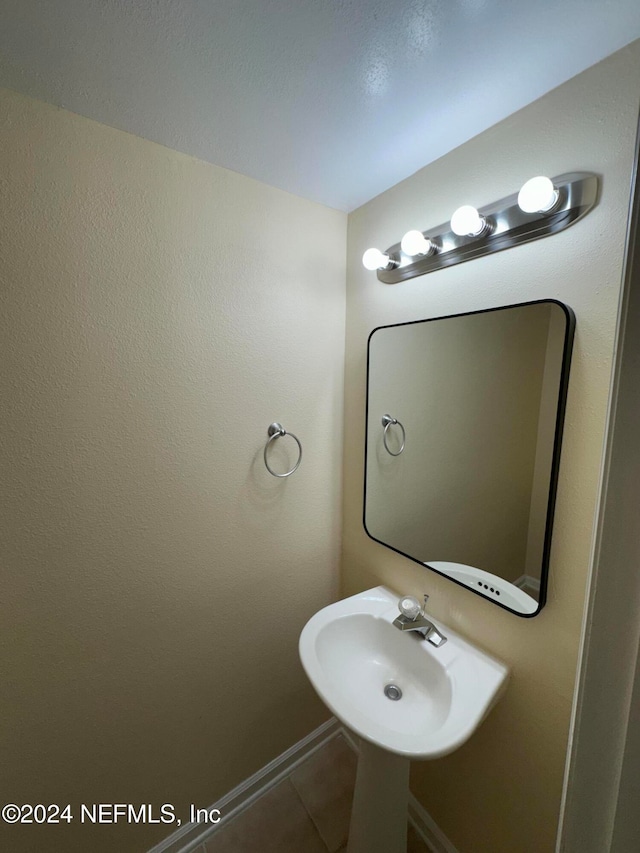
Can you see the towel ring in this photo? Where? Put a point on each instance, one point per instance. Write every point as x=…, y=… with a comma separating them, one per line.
x=276, y=430
x=388, y=421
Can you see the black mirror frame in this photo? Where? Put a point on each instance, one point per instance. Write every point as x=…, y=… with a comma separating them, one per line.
x=557, y=446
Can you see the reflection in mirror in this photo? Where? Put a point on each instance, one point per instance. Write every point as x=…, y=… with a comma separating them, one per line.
x=478, y=401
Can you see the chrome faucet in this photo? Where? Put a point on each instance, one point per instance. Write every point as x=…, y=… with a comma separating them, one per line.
x=412, y=618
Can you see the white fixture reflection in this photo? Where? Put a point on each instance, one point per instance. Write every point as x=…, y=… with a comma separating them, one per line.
x=467, y=222
x=415, y=243
x=492, y=586
x=374, y=259
x=538, y=195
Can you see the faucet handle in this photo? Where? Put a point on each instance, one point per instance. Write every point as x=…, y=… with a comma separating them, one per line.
x=410, y=607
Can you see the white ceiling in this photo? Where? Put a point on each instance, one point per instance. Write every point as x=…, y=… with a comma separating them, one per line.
x=333, y=100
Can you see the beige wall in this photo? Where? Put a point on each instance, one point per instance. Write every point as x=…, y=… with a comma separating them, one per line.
x=156, y=314
x=500, y=792
x=601, y=784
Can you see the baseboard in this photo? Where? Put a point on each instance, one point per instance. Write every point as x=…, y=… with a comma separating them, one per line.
x=527, y=582
x=191, y=836
x=428, y=829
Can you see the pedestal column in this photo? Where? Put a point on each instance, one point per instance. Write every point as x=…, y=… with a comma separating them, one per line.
x=380, y=802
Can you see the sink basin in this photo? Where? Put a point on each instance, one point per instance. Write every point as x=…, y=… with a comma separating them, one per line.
x=351, y=651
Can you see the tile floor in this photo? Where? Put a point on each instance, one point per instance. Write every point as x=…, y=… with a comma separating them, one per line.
x=308, y=812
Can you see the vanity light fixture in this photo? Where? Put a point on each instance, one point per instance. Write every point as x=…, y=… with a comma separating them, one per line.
x=541, y=208
x=374, y=259
x=415, y=243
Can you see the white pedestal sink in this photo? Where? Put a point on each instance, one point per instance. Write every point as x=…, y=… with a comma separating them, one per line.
x=351, y=652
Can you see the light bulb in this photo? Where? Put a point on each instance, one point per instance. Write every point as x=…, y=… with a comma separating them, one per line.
x=374, y=259
x=538, y=195
x=466, y=221
x=415, y=243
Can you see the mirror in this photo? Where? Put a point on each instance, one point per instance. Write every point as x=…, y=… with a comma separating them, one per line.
x=464, y=426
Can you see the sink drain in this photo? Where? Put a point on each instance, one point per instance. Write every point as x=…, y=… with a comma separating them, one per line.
x=392, y=691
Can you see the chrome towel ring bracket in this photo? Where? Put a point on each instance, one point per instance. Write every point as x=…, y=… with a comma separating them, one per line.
x=276, y=430
x=388, y=421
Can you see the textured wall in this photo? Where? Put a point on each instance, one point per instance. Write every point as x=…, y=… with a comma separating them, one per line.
x=156, y=314
x=501, y=791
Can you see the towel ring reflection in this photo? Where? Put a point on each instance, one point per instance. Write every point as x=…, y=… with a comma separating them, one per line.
x=276, y=430
x=388, y=421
